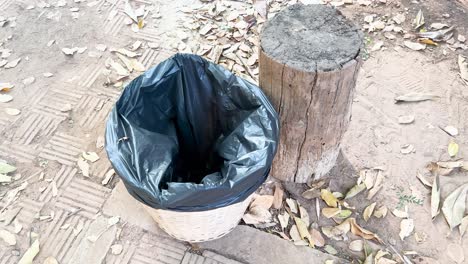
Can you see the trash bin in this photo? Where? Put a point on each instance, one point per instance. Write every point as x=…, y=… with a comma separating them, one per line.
x=192, y=142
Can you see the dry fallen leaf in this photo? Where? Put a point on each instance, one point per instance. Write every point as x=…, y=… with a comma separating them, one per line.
x=278, y=196
x=423, y=179
x=330, y=212
x=368, y=211
x=283, y=220
x=453, y=206
x=116, y=249
x=414, y=97
x=406, y=228
x=257, y=215
x=414, y=45
x=5, y=98
x=463, y=226
x=463, y=65
x=29, y=80
x=265, y=201
x=407, y=149
x=408, y=119
x=337, y=232
x=304, y=215
x=51, y=260
x=292, y=205
x=47, y=74
x=317, y=238
x=329, y=198
x=452, y=149
x=356, y=189
x=377, y=185
x=84, y=166
x=401, y=214
x=438, y=25
x=381, y=212
x=356, y=245
x=294, y=234
x=30, y=254
x=311, y=194
x=364, y=233
x=436, y=169
x=90, y=156
x=12, y=111
x=451, y=130
x=6, y=168
x=5, y=179
x=8, y=237
x=54, y=189
x=330, y=250
x=435, y=197
x=303, y=230
x=418, y=20
x=456, y=252
x=12, y=64
x=108, y=177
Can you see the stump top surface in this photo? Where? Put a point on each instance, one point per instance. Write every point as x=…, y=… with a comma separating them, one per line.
x=311, y=38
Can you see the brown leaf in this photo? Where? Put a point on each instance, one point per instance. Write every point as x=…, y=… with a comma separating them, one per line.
x=265, y=201
x=317, y=238
x=359, y=231
x=438, y=170
x=278, y=196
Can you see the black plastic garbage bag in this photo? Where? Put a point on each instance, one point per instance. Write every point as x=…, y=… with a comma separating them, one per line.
x=188, y=135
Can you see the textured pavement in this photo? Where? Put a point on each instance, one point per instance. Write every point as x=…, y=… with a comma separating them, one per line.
x=44, y=141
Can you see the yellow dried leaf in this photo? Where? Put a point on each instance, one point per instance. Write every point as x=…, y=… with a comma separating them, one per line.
x=452, y=149
x=381, y=211
x=51, y=260
x=304, y=215
x=294, y=234
x=303, y=230
x=330, y=212
x=427, y=41
x=368, y=211
x=91, y=156
x=329, y=198
x=140, y=23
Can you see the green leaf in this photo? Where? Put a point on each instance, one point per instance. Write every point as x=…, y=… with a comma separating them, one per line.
x=6, y=168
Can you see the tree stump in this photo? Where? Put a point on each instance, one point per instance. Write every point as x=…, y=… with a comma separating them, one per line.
x=309, y=61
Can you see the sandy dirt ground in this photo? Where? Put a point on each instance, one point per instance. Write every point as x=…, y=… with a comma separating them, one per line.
x=63, y=114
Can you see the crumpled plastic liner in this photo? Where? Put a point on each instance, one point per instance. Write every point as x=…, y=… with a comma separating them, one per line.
x=188, y=135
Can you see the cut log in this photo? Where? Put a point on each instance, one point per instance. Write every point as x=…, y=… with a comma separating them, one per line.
x=309, y=60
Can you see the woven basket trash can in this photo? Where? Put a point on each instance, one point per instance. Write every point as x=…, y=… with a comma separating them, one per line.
x=192, y=142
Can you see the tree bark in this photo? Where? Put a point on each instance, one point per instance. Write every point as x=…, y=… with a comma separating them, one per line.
x=313, y=103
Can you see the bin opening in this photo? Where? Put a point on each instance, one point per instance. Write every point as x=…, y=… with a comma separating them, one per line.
x=199, y=136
